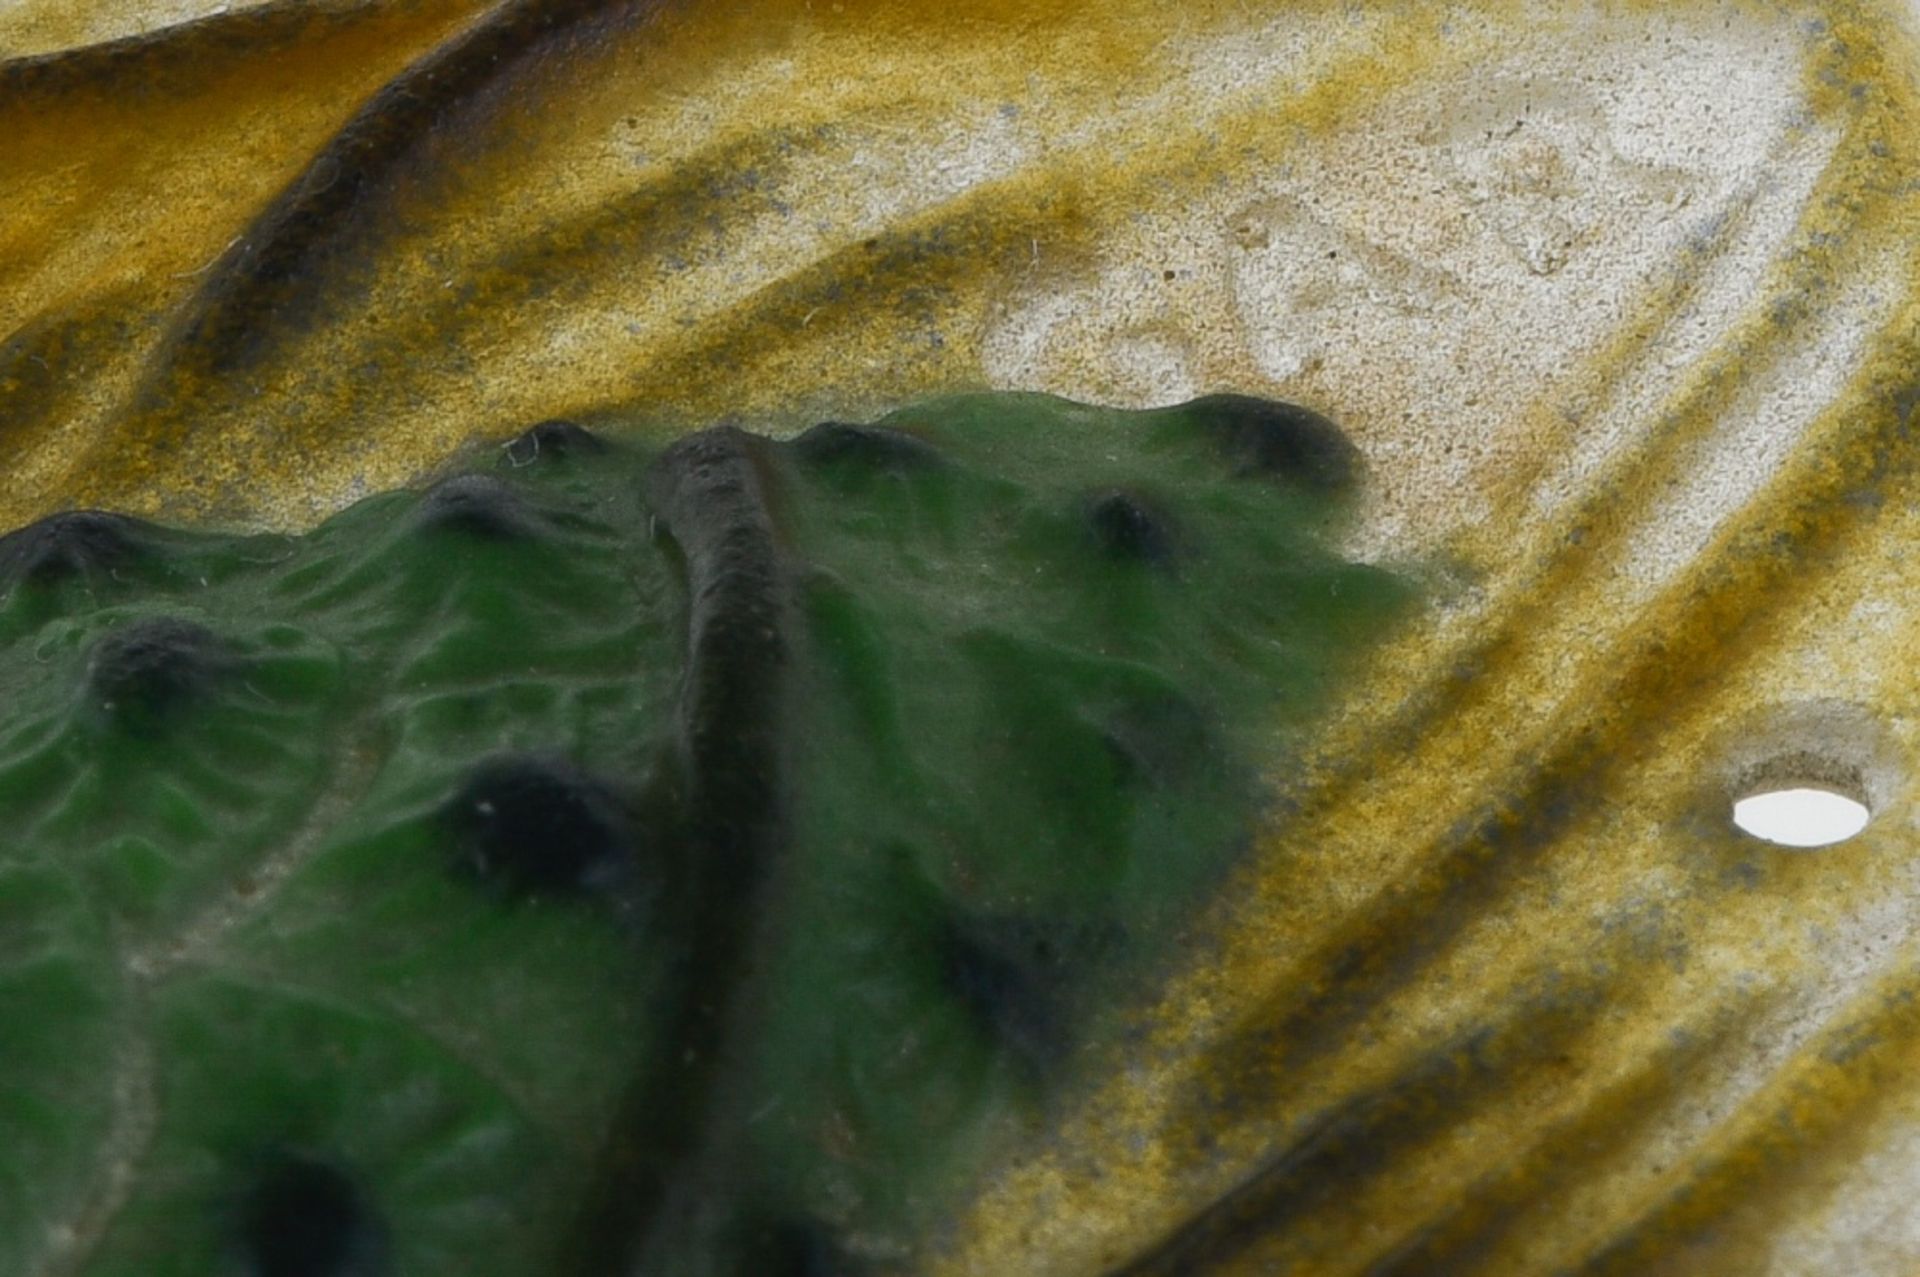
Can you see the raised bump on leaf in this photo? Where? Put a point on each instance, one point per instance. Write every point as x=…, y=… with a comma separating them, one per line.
x=73, y=543
x=476, y=505
x=552, y=440
x=143, y=673
x=1128, y=529
x=537, y=825
x=304, y=1218
x=1274, y=439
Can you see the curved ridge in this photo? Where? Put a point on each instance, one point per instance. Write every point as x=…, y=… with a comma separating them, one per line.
x=722, y=797
x=262, y=273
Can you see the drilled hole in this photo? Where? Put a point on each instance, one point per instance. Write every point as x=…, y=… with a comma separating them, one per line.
x=1801, y=815
x=1802, y=774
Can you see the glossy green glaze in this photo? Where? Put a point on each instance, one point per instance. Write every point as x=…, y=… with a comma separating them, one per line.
x=1036, y=658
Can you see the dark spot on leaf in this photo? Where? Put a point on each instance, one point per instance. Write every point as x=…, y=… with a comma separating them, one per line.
x=1126, y=529
x=76, y=543
x=1009, y=973
x=143, y=673
x=552, y=440
x=538, y=825
x=304, y=1218
x=794, y=1248
x=833, y=442
x=476, y=505
x=1267, y=437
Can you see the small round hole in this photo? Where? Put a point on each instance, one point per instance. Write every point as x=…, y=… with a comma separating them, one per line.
x=1808, y=773
x=1801, y=816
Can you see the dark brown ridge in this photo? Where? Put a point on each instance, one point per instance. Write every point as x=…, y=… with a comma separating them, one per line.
x=264, y=276
x=165, y=59
x=1356, y=1139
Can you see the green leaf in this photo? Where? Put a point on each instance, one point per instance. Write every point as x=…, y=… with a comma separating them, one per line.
x=698, y=861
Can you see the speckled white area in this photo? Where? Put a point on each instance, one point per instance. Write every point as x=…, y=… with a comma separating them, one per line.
x=1868, y=1224
x=1759, y=431
x=1715, y=274
x=1437, y=272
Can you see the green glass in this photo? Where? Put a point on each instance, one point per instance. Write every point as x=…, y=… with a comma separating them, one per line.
x=1013, y=682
